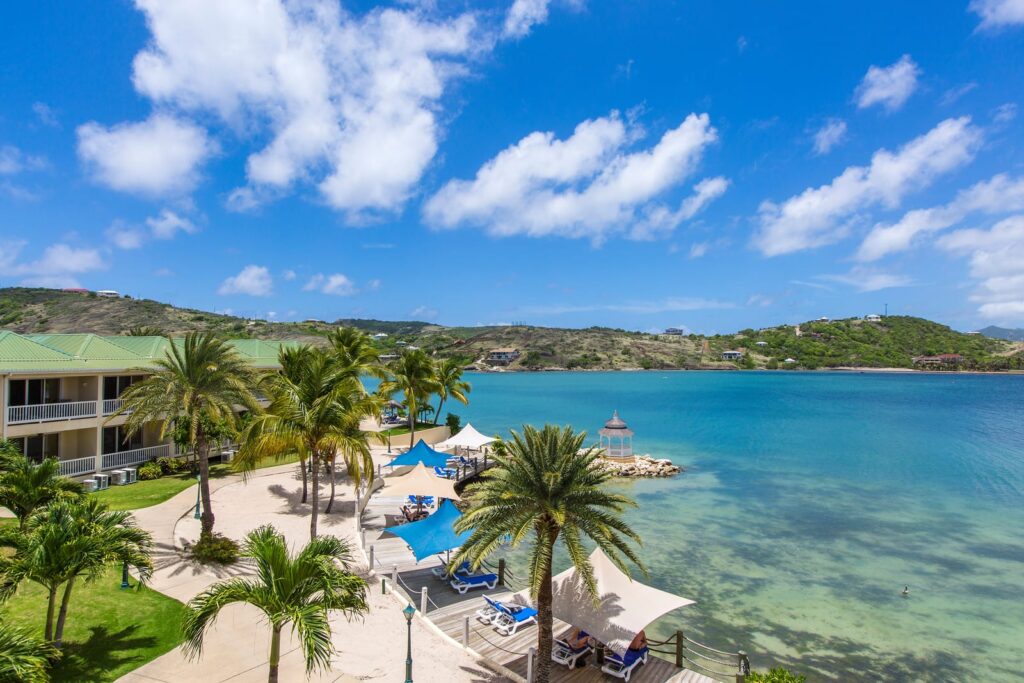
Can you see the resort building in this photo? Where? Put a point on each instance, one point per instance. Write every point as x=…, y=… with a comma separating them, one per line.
x=873, y=318
x=60, y=390
x=616, y=439
x=732, y=355
x=762, y=343
x=503, y=356
x=939, y=361
x=108, y=294
x=675, y=331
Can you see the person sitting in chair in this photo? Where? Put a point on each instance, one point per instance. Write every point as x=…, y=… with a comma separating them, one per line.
x=639, y=642
x=578, y=638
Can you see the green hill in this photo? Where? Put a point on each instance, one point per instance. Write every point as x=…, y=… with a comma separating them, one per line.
x=890, y=343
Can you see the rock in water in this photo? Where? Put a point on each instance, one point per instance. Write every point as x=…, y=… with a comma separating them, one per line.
x=640, y=466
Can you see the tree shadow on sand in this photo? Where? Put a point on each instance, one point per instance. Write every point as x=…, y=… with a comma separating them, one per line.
x=104, y=651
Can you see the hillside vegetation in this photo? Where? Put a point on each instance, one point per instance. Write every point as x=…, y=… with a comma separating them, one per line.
x=890, y=343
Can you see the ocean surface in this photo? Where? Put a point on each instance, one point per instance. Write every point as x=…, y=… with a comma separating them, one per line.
x=809, y=500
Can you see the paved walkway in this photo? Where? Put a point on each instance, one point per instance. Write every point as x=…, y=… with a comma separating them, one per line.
x=370, y=648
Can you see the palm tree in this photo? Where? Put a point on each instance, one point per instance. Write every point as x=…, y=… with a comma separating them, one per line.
x=68, y=541
x=23, y=659
x=355, y=353
x=146, y=331
x=413, y=375
x=202, y=378
x=300, y=590
x=545, y=488
x=26, y=486
x=314, y=411
x=450, y=384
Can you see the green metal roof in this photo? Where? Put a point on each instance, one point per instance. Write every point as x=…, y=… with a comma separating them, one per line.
x=60, y=353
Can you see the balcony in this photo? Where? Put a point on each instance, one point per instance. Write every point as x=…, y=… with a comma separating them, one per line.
x=135, y=456
x=51, y=412
x=78, y=466
x=112, y=405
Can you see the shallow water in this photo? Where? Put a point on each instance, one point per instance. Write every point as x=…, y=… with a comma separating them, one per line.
x=809, y=500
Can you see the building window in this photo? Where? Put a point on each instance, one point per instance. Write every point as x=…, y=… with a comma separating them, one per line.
x=38, y=447
x=114, y=386
x=116, y=439
x=33, y=392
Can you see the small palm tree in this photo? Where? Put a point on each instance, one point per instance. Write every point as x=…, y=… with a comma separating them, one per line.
x=24, y=659
x=314, y=411
x=202, y=378
x=450, y=384
x=355, y=353
x=413, y=375
x=68, y=541
x=26, y=486
x=300, y=590
x=545, y=488
x=146, y=331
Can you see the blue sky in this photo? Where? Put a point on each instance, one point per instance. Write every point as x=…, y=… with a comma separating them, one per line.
x=561, y=162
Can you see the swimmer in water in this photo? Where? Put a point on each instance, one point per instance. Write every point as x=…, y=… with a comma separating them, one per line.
x=906, y=591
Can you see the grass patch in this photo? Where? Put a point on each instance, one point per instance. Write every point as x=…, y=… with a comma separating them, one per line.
x=404, y=429
x=110, y=631
x=144, y=494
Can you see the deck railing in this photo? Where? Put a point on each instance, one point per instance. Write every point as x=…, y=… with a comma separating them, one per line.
x=135, y=456
x=51, y=412
x=112, y=405
x=77, y=466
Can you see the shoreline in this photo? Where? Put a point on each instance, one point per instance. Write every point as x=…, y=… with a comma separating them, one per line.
x=838, y=369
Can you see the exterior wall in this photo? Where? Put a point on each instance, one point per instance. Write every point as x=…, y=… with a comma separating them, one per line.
x=78, y=443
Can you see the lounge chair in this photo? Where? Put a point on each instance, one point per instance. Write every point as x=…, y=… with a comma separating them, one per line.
x=622, y=667
x=424, y=500
x=441, y=571
x=511, y=617
x=444, y=472
x=565, y=654
x=462, y=583
x=490, y=610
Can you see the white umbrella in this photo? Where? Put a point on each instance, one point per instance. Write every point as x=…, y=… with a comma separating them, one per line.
x=468, y=437
x=420, y=482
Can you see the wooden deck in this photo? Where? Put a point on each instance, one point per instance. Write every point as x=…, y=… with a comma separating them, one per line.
x=454, y=614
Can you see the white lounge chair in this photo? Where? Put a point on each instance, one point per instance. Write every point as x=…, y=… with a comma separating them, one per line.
x=462, y=583
x=490, y=610
x=622, y=667
x=566, y=655
x=511, y=617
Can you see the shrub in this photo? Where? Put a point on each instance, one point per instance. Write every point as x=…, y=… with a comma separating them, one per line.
x=215, y=549
x=453, y=422
x=776, y=675
x=171, y=465
x=150, y=470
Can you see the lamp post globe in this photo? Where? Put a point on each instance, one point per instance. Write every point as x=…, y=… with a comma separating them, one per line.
x=408, y=612
x=199, y=493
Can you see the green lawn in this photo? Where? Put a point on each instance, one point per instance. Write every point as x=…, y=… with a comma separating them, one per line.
x=155, y=491
x=404, y=429
x=109, y=631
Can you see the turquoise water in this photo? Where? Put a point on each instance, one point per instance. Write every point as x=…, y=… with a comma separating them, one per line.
x=809, y=500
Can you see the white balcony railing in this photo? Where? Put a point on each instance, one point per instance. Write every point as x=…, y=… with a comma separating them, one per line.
x=135, y=456
x=78, y=466
x=112, y=405
x=51, y=412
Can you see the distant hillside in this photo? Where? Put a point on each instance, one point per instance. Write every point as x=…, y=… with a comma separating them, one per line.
x=890, y=343
x=1010, y=334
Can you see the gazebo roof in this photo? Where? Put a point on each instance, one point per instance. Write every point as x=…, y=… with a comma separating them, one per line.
x=616, y=422
x=616, y=427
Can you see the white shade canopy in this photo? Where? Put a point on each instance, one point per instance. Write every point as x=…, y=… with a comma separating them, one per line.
x=624, y=607
x=420, y=481
x=468, y=437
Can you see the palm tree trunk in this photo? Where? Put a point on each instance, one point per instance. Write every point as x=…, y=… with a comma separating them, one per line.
x=334, y=477
x=202, y=452
x=437, y=413
x=545, y=625
x=412, y=420
x=58, y=636
x=315, y=460
x=275, y=653
x=305, y=479
x=51, y=605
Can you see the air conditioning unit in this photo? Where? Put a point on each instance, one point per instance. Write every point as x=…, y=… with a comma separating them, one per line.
x=227, y=455
x=131, y=475
x=89, y=485
x=102, y=481
x=119, y=478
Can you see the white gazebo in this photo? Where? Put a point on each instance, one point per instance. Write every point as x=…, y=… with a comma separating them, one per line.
x=468, y=438
x=617, y=439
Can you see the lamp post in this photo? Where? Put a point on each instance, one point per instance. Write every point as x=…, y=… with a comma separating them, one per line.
x=408, y=612
x=199, y=493
x=124, y=575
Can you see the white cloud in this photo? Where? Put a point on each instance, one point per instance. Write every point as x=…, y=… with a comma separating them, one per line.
x=999, y=194
x=57, y=267
x=698, y=249
x=13, y=161
x=336, y=284
x=822, y=215
x=373, y=285
x=954, y=94
x=252, y=280
x=46, y=115
x=889, y=86
x=348, y=103
x=289, y=275
x=829, y=136
x=168, y=224
x=760, y=300
x=866, y=280
x=1005, y=113
x=155, y=157
x=523, y=15
x=588, y=185
x=423, y=313
x=124, y=236
x=996, y=258
x=998, y=13
x=660, y=220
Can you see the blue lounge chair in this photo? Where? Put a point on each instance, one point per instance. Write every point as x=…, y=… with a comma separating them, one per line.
x=622, y=667
x=427, y=500
x=511, y=617
x=565, y=654
x=444, y=472
x=441, y=571
x=490, y=610
x=463, y=582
